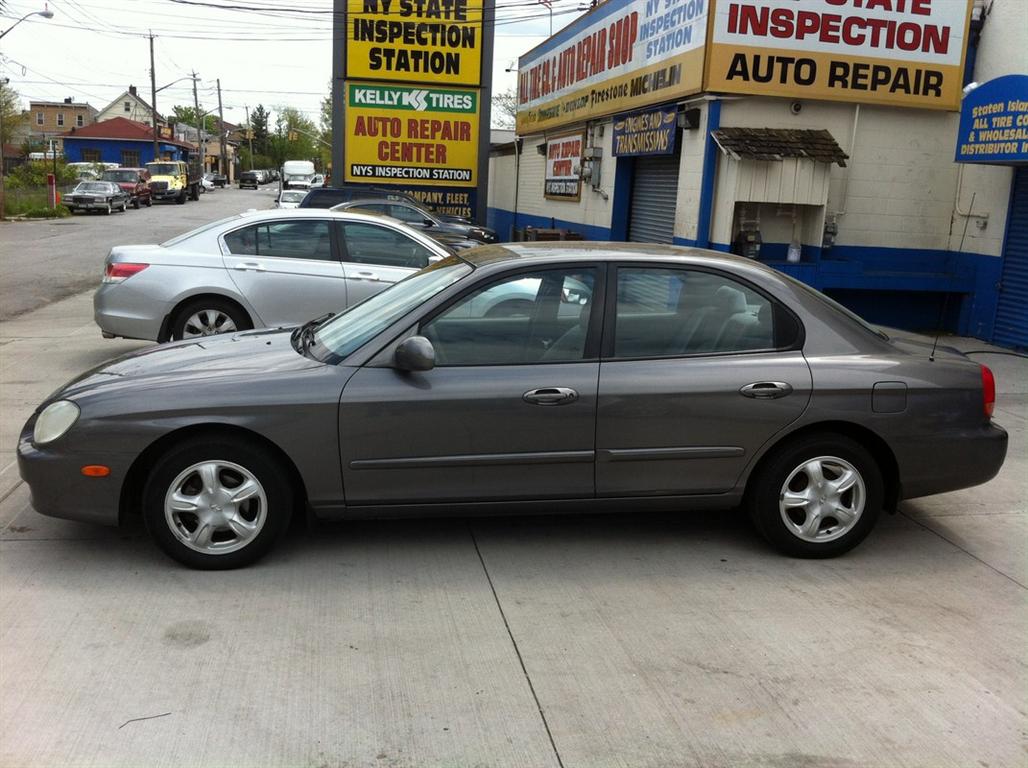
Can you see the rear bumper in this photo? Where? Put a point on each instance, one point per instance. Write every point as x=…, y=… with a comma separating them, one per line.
x=120, y=311
x=950, y=461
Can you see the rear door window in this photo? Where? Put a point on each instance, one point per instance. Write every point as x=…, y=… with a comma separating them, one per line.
x=300, y=239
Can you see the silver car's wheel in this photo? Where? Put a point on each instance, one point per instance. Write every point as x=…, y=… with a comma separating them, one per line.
x=207, y=316
x=822, y=499
x=215, y=507
x=207, y=322
x=218, y=501
x=816, y=495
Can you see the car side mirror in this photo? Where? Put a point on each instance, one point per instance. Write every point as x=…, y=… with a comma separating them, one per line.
x=428, y=223
x=415, y=353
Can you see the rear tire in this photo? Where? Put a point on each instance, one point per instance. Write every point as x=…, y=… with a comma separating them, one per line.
x=217, y=503
x=135, y=203
x=816, y=496
x=107, y=210
x=205, y=317
x=149, y=201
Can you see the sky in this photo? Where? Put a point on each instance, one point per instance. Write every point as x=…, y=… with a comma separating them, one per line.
x=92, y=50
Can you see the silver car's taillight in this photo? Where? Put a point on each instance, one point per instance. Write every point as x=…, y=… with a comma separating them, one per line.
x=122, y=270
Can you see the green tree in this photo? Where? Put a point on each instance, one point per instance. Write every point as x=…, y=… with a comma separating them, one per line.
x=505, y=109
x=326, y=128
x=259, y=125
x=13, y=118
x=187, y=115
x=32, y=175
x=296, y=137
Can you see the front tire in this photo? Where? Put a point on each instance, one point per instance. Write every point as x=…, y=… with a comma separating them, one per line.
x=135, y=203
x=216, y=504
x=208, y=317
x=816, y=496
x=107, y=210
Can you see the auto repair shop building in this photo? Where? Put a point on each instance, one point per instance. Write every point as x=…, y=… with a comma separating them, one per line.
x=819, y=136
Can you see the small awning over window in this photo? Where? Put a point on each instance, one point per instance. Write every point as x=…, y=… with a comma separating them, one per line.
x=769, y=144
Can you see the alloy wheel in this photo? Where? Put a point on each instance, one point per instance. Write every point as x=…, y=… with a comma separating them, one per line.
x=822, y=499
x=215, y=507
x=207, y=322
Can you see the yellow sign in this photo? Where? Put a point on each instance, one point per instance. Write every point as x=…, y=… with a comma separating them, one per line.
x=399, y=134
x=415, y=41
x=622, y=55
x=906, y=53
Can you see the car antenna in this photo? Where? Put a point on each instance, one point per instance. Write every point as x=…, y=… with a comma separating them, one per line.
x=945, y=300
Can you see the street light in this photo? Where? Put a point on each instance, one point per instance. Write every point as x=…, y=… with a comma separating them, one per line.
x=46, y=13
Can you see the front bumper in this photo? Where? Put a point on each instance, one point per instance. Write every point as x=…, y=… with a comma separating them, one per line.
x=58, y=487
x=167, y=194
x=950, y=461
x=89, y=205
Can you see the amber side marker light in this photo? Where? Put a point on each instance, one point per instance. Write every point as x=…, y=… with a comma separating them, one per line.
x=96, y=470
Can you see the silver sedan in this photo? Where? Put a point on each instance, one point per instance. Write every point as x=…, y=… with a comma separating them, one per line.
x=253, y=270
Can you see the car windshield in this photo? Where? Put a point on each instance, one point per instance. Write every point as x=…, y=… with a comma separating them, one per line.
x=350, y=330
x=163, y=169
x=292, y=197
x=121, y=176
x=92, y=186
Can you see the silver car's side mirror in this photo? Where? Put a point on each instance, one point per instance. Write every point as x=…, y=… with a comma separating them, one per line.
x=428, y=223
x=415, y=354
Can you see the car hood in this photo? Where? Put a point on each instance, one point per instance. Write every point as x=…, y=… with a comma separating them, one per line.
x=248, y=354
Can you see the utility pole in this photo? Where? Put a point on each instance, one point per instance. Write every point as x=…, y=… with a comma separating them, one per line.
x=3, y=194
x=153, y=100
x=199, y=124
x=222, y=168
x=249, y=134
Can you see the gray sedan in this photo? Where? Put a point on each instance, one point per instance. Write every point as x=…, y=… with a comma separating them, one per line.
x=255, y=270
x=630, y=377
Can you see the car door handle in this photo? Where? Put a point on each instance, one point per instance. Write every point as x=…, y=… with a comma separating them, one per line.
x=550, y=396
x=366, y=275
x=766, y=390
x=256, y=266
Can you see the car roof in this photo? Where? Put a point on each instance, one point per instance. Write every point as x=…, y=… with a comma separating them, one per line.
x=565, y=251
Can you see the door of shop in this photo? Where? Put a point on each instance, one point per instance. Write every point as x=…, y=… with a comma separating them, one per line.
x=1011, y=326
x=654, y=198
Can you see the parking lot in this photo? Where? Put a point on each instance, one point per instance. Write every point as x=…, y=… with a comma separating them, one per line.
x=624, y=640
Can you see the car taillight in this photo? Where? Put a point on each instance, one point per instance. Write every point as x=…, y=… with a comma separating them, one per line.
x=118, y=271
x=988, y=391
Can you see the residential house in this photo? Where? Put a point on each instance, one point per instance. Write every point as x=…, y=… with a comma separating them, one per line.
x=130, y=106
x=49, y=119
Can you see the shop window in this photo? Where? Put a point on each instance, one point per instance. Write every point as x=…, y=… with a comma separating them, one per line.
x=90, y=155
x=130, y=158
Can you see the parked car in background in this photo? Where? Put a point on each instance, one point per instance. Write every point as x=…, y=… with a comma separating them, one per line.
x=327, y=197
x=253, y=270
x=289, y=198
x=417, y=217
x=88, y=171
x=450, y=239
x=217, y=179
x=637, y=377
x=102, y=196
x=317, y=181
x=249, y=180
x=206, y=185
x=134, y=181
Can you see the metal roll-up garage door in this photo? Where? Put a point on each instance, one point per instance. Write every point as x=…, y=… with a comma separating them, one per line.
x=1011, y=327
x=654, y=196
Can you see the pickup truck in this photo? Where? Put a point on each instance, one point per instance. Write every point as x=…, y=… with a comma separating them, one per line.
x=175, y=180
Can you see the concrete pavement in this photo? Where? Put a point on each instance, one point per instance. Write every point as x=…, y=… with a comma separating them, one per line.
x=632, y=640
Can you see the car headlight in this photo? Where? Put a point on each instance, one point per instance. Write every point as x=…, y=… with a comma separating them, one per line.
x=56, y=419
